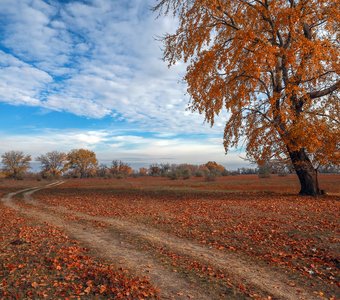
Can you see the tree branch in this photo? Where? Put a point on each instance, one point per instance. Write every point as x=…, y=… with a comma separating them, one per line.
x=323, y=115
x=324, y=92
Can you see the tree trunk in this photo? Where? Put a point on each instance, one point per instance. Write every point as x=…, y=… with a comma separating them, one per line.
x=305, y=172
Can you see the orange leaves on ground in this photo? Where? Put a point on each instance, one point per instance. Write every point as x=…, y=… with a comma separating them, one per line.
x=293, y=233
x=40, y=261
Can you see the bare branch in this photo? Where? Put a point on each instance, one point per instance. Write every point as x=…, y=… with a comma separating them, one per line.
x=325, y=92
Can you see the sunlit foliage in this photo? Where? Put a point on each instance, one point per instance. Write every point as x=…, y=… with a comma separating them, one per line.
x=82, y=162
x=15, y=164
x=52, y=163
x=273, y=66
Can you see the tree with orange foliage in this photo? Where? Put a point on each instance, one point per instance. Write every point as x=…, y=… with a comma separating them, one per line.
x=82, y=162
x=214, y=167
x=143, y=171
x=273, y=66
x=120, y=169
x=15, y=164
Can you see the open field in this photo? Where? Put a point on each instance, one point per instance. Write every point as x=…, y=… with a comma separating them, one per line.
x=238, y=237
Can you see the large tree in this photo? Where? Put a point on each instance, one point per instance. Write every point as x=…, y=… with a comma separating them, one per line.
x=15, y=164
x=273, y=66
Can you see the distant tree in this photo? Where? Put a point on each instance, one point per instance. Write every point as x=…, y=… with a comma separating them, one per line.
x=182, y=171
x=82, y=162
x=281, y=167
x=15, y=164
x=273, y=65
x=52, y=163
x=192, y=168
x=103, y=171
x=202, y=171
x=155, y=170
x=214, y=167
x=247, y=171
x=264, y=169
x=164, y=169
x=332, y=169
x=143, y=172
x=120, y=169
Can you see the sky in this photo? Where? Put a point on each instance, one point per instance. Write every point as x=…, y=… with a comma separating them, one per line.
x=89, y=74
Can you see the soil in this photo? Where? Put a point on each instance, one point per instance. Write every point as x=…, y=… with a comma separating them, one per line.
x=118, y=240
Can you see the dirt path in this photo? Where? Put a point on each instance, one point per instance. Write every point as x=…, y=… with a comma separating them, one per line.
x=108, y=244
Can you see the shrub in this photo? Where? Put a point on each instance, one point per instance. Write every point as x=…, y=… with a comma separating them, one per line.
x=186, y=174
x=143, y=172
x=211, y=176
x=173, y=175
x=215, y=167
x=179, y=171
x=154, y=170
x=264, y=169
x=199, y=173
x=225, y=173
x=120, y=169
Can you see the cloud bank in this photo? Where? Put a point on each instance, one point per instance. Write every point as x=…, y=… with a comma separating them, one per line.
x=97, y=59
x=134, y=149
x=94, y=59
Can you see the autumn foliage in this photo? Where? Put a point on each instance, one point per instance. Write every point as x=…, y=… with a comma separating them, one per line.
x=212, y=166
x=15, y=164
x=120, y=169
x=82, y=162
x=244, y=217
x=281, y=230
x=40, y=261
x=273, y=65
x=52, y=164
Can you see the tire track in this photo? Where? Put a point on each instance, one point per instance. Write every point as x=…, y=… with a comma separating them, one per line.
x=261, y=277
x=107, y=246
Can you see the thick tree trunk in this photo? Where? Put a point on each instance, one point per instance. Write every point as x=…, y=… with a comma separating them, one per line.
x=305, y=172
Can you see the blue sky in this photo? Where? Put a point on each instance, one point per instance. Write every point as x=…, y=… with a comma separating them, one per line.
x=89, y=74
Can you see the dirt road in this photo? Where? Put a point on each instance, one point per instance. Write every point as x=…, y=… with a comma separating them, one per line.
x=119, y=241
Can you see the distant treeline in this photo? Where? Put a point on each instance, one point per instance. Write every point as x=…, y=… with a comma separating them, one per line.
x=83, y=163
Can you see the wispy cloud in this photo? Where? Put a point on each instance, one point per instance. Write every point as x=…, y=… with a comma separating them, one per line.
x=134, y=149
x=93, y=59
x=20, y=83
x=100, y=58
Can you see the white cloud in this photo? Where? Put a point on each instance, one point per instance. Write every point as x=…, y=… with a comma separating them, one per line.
x=21, y=83
x=30, y=34
x=134, y=149
x=94, y=60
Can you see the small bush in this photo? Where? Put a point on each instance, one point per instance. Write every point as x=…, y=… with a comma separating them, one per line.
x=186, y=174
x=199, y=173
x=210, y=176
x=264, y=175
x=173, y=175
x=120, y=176
x=178, y=172
x=225, y=173
x=108, y=176
x=264, y=170
x=135, y=175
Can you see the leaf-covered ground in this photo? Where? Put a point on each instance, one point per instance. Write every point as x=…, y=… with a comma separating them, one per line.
x=298, y=234
x=40, y=261
x=262, y=220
